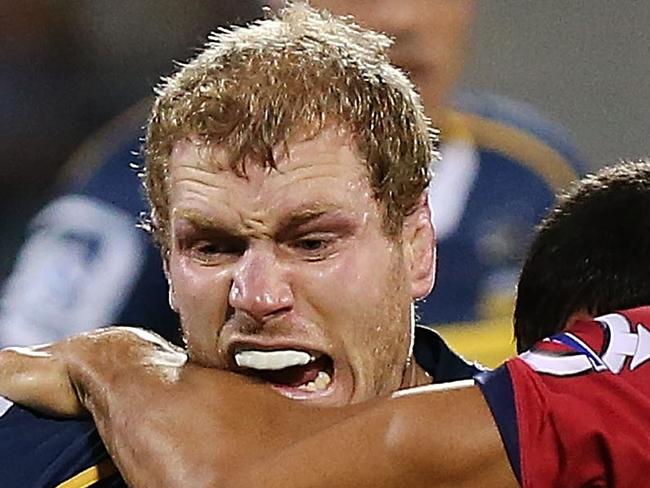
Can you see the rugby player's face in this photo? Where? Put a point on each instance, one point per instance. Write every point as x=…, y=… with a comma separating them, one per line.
x=431, y=38
x=286, y=274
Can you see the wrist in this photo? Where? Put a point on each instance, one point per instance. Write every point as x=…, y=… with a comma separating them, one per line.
x=116, y=363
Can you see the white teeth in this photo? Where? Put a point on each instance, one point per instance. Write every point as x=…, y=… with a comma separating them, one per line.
x=272, y=360
x=321, y=382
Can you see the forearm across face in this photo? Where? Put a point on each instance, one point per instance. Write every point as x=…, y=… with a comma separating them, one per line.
x=429, y=439
x=200, y=428
x=163, y=423
x=211, y=428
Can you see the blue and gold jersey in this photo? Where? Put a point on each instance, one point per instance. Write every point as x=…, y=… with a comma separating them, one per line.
x=40, y=452
x=502, y=165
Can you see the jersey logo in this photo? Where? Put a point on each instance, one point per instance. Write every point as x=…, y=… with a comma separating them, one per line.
x=75, y=272
x=623, y=343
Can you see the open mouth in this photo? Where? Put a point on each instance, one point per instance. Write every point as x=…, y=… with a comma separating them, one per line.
x=288, y=369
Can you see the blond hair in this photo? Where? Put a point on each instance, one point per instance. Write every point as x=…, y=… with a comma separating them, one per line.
x=252, y=88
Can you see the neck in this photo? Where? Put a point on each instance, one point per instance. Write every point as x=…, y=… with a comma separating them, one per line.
x=414, y=375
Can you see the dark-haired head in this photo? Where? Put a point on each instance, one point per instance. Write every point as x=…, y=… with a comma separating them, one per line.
x=591, y=254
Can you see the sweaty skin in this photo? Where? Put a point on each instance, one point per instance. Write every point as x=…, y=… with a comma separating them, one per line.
x=297, y=259
x=214, y=428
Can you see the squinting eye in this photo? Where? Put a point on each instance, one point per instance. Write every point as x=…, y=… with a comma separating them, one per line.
x=214, y=251
x=311, y=244
x=208, y=249
x=315, y=247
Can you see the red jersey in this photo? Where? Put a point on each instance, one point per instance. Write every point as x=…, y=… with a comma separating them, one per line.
x=574, y=411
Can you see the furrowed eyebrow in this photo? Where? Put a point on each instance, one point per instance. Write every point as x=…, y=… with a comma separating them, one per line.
x=304, y=217
x=288, y=224
x=199, y=220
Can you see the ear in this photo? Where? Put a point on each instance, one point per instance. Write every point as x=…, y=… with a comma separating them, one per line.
x=577, y=316
x=419, y=246
x=171, y=296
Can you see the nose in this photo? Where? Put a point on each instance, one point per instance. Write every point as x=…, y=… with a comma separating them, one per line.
x=260, y=287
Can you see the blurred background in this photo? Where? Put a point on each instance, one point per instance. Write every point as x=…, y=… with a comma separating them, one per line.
x=69, y=66
x=582, y=62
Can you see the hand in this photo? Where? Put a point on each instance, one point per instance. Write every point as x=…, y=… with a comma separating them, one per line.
x=53, y=378
x=37, y=377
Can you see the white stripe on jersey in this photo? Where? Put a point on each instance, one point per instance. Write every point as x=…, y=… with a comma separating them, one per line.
x=5, y=405
x=451, y=186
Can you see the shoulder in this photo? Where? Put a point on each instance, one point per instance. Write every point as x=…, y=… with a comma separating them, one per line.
x=105, y=166
x=520, y=133
x=585, y=392
x=616, y=343
x=38, y=451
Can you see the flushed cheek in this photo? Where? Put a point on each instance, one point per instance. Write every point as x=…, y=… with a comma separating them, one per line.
x=340, y=287
x=357, y=300
x=356, y=270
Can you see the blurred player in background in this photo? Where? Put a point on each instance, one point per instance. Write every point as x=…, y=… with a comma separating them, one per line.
x=85, y=263
x=502, y=163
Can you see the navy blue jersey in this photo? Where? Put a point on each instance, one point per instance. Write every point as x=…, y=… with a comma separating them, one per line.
x=439, y=360
x=37, y=451
x=502, y=165
x=40, y=452
x=86, y=264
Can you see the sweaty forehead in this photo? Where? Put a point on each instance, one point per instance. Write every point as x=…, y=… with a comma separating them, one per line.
x=321, y=172
x=332, y=149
